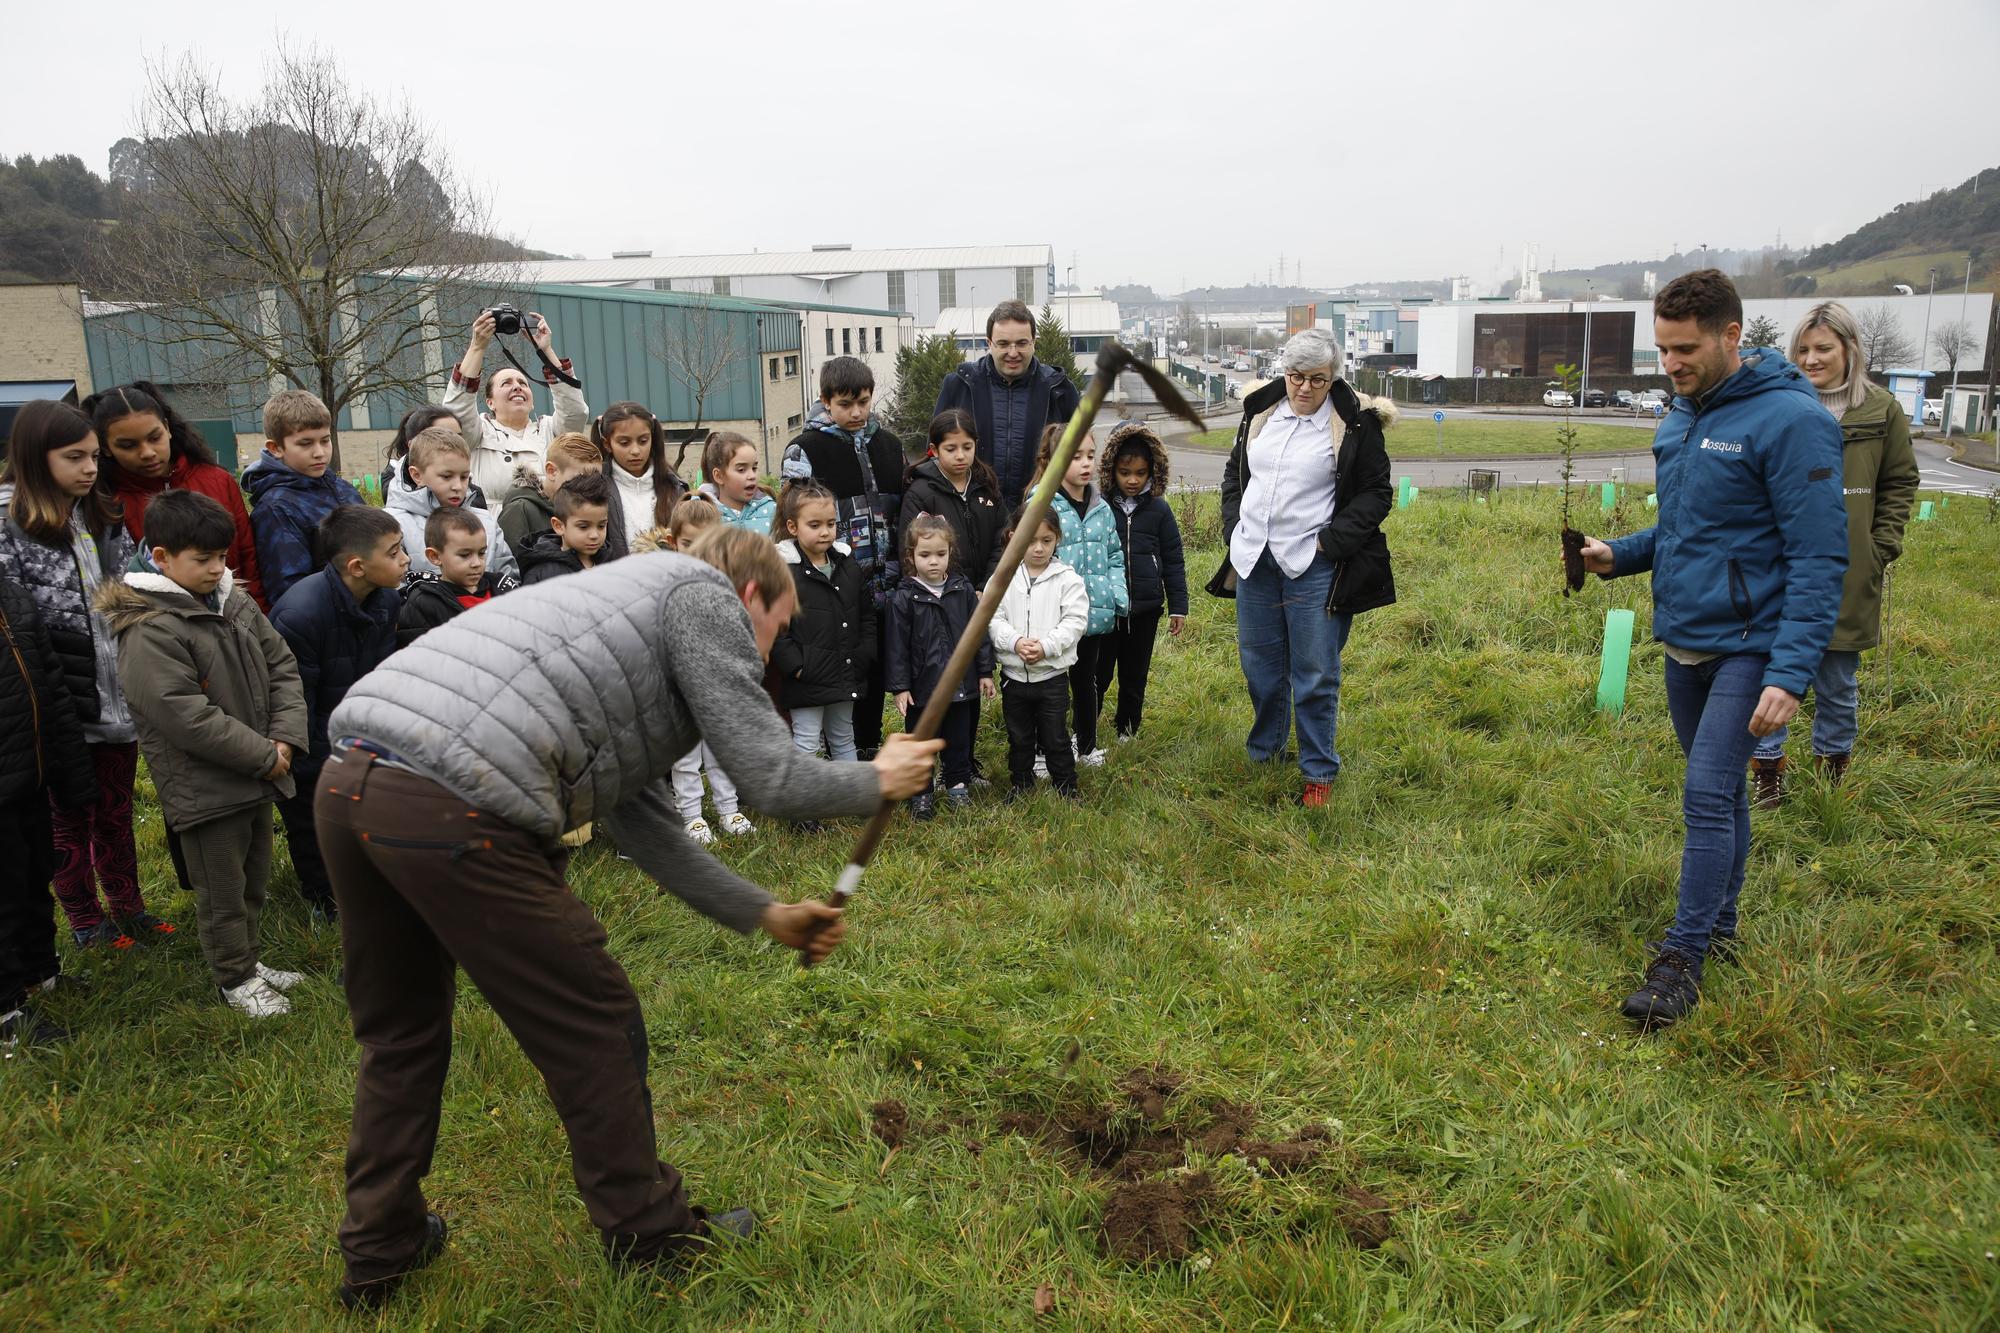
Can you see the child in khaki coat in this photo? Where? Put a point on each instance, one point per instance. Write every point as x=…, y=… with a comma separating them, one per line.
x=216, y=697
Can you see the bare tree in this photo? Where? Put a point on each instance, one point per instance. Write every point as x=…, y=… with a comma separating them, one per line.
x=1955, y=342
x=1884, y=345
x=314, y=239
x=700, y=345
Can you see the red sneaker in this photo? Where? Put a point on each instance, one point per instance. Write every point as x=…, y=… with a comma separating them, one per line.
x=1316, y=795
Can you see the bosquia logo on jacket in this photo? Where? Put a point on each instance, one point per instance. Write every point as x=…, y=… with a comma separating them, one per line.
x=1721, y=446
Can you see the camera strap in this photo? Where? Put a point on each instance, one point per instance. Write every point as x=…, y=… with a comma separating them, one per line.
x=553, y=368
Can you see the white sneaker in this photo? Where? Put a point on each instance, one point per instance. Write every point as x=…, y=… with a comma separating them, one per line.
x=736, y=825
x=1095, y=759
x=1041, y=766
x=699, y=830
x=279, y=980
x=256, y=998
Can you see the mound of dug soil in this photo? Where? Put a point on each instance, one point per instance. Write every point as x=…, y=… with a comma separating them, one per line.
x=1147, y=1221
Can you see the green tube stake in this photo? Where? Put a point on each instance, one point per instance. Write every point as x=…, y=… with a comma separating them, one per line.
x=1617, y=658
x=1610, y=500
x=1413, y=494
x=1653, y=501
x=1924, y=512
x=1403, y=491
x=1944, y=502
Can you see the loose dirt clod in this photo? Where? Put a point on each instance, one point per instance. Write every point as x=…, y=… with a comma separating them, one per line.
x=1146, y=1221
x=1573, y=570
x=1232, y=1122
x=1301, y=1149
x=1148, y=1090
x=892, y=1121
x=1365, y=1216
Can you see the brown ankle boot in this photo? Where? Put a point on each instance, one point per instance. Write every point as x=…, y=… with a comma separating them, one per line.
x=1769, y=777
x=1834, y=766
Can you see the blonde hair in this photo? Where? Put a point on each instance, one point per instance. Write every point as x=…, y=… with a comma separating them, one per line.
x=746, y=557
x=1838, y=320
x=695, y=513
x=292, y=410
x=432, y=443
x=576, y=449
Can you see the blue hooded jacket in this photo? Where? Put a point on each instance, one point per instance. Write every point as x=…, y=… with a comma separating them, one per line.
x=1751, y=544
x=286, y=508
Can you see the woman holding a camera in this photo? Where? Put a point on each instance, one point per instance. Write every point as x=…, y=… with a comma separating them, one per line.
x=508, y=433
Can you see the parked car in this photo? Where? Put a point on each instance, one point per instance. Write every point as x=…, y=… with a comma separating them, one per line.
x=1647, y=400
x=1623, y=398
x=1557, y=398
x=1241, y=365
x=1211, y=357
x=1933, y=411
x=1594, y=398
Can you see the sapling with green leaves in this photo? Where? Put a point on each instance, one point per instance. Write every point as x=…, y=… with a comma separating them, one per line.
x=1572, y=541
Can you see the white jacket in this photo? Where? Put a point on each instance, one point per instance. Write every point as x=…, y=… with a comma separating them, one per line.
x=412, y=507
x=495, y=448
x=1053, y=607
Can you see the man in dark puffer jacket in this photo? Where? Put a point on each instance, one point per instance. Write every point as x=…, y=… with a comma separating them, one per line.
x=41, y=752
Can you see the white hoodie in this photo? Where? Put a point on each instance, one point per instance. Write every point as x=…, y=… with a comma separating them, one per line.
x=635, y=496
x=412, y=506
x=1053, y=606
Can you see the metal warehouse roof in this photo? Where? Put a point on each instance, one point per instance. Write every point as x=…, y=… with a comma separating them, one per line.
x=1083, y=316
x=805, y=263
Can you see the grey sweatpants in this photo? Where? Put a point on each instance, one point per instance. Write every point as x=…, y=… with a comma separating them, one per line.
x=229, y=863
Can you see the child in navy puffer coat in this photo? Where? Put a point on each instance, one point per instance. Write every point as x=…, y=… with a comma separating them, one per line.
x=1134, y=475
x=927, y=613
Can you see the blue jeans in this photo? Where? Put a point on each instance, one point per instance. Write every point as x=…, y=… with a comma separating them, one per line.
x=1837, y=687
x=1290, y=649
x=833, y=721
x=1711, y=706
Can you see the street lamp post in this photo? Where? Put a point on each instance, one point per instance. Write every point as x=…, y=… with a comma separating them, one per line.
x=1589, y=295
x=1951, y=401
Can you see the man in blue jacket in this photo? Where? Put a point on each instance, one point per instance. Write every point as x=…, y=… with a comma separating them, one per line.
x=1747, y=561
x=1011, y=396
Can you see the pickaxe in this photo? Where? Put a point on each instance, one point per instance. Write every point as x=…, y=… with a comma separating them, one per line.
x=1113, y=358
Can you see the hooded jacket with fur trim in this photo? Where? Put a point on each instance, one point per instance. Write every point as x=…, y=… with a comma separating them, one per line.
x=1363, y=496
x=1155, y=566
x=210, y=690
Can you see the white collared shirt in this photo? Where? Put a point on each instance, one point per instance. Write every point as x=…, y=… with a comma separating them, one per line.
x=1290, y=495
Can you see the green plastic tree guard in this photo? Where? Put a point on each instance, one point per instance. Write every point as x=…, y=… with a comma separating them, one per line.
x=1653, y=501
x=1617, y=659
x=1610, y=500
x=1925, y=513
x=1403, y=493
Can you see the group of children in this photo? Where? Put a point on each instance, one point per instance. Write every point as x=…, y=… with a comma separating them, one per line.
x=146, y=608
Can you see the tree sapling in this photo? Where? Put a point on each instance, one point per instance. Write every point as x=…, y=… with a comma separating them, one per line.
x=1572, y=540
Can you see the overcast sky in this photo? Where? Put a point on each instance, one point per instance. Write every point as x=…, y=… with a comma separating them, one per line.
x=1195, y=145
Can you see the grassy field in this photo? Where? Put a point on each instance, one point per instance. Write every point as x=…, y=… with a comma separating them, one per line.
x=1415, y=435
x=1871, y=277
x=1409, y=998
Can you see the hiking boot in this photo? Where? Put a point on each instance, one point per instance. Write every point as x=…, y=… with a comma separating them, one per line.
x=737, y=825
x=1316, y=795
x=1671, y=989
x=1724, y=949
x=146, y=928
x=281, y=981
x=370, y=1295
x=923, y=806
x=1832, y=767
x=699, y=830
x=257, y=998
x=730, y=1224
x=25, y=1027
x=682, y=1248
x=1769, y=777
x=958, y=798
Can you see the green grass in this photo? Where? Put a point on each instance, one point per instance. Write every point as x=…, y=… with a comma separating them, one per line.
x=1429, y=970
x=1415, y=435
x=1871, y=277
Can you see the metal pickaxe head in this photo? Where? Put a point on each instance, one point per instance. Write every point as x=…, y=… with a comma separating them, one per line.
x=1114, y=357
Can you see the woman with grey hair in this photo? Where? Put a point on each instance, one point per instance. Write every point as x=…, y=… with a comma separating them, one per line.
x=1303, y=498
x=1879, y=472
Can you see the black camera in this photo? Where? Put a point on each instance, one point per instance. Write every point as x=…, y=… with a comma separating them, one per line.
x=509, y=320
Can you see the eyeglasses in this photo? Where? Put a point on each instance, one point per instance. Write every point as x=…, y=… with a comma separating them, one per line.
x=1300, y=381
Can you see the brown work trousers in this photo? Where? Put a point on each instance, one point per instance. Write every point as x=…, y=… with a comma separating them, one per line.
x=426, y=884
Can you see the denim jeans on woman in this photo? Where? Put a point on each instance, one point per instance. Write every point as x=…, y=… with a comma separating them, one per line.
x=1290, y=649
x=1711, y=706
x=1836, y=687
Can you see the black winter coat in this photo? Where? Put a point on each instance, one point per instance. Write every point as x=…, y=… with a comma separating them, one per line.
x=48, y=574
x=978, y=519
x=41, y=741
x=428, y=603
x=824, y=655
x=544, y=557
x=923, y=629
x=1051, y=399
x=337, y=641
x=1155, y=570
x=1352, y=538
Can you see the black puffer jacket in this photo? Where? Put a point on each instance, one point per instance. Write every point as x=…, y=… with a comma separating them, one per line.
x=50, y=577
x=1352, y=538
x=978, y=519
x=428, y=602
x=1155, y=569
x=824, y=655
x=923, y=629
x=41, y=742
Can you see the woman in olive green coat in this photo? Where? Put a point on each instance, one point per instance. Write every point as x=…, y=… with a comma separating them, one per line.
x=1879, y=471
